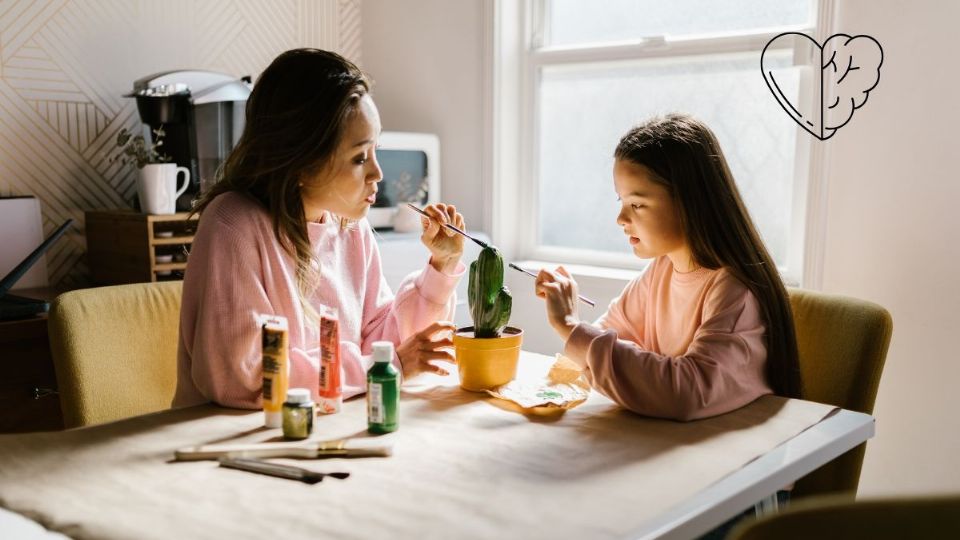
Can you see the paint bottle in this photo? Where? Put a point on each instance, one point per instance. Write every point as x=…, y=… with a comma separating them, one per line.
x=383, y=390
x=275, y=367
x=330, y=389
x=298, y=414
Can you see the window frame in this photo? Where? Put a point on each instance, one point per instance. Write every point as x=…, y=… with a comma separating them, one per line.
x=514, y=33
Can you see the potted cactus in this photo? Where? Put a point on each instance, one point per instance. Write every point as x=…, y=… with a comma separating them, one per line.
x=487, y=352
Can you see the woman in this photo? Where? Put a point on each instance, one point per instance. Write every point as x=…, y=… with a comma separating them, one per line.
x=283, y=233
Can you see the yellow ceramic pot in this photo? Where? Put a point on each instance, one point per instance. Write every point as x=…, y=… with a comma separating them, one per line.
x=487, y=362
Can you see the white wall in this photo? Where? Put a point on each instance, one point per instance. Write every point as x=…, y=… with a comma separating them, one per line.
x=892, y=229
x=892, y=236
x=425, y=58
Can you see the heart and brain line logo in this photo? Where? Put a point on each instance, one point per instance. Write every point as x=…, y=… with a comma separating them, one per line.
x=848, y=70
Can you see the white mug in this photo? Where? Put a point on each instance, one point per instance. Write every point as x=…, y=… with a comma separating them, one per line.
x=157, y=187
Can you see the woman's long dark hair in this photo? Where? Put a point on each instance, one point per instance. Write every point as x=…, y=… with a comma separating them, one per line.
x=685, y=157
x=295, y=118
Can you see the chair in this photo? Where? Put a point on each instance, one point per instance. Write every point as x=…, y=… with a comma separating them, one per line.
x=833, y=517
x=115, y=350
x=842, y=343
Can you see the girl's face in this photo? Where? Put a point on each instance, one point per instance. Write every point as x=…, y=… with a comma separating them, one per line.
x=648, y=214
x=347, y=186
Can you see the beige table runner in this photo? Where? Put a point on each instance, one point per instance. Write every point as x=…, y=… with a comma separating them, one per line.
x=464, y=467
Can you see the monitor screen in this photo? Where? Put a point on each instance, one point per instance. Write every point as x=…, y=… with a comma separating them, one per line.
x=404, y=178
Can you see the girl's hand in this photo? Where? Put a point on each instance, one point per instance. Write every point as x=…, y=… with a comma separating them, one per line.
x=417, y=350
x=560, y=292
x=445, y=245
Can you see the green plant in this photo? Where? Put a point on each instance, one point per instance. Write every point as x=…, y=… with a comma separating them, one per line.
x=490, y=301
x=134, y=148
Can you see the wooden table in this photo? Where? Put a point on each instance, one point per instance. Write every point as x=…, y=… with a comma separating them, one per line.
x=465, y=465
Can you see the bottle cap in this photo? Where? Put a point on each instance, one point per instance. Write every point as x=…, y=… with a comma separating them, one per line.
x=298, y=395
x=382, y=351
x=272, y=419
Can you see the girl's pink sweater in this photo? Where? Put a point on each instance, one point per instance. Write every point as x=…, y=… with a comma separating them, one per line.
x=677, y=345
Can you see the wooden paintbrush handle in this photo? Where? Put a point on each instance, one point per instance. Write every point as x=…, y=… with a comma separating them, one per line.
x=306, y=449
x=299, y=449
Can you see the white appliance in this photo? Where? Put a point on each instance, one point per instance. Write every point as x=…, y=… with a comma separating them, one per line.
x=22, y=232
x=411, y=173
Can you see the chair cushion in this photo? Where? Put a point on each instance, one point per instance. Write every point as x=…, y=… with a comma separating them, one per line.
x=834, y=517
x=115, y=350
x=842, y=343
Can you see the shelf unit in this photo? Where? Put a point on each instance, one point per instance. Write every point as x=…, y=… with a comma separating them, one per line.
x=130, y=247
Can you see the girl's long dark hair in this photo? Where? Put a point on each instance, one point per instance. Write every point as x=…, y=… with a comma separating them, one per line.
x=295, y=118
x=685, y=156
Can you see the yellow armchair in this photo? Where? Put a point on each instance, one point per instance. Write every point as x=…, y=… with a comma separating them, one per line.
x=842, y=343
x=115, y=350
x=836, y=517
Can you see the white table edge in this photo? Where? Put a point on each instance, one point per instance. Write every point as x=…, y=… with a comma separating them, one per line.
x=811, y=449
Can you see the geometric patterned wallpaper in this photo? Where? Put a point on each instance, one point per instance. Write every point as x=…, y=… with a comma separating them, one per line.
x=65, y=65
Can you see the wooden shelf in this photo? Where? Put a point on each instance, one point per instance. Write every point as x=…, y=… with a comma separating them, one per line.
x=168, y=267
x=123, y=246
x=171, y=240
x=179, y=216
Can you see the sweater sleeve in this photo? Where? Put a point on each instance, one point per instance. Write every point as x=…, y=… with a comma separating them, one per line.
x=223, y=294
x=720, y=371
x=423, y=298
x=626, y=313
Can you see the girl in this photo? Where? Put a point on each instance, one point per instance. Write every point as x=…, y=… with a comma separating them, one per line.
x=707, y=328
x=283, y=233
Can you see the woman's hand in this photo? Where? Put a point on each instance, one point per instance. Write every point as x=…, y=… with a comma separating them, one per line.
x=445, y=246
x=417, y=350
x=559, y=290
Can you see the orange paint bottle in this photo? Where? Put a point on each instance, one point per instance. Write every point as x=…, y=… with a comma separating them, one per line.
x=330, y=388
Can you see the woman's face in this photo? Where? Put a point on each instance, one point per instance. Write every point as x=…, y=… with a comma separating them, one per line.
x=347, y=186
x=648, y=214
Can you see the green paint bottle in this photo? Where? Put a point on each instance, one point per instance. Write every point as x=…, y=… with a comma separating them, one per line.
x=383, y=390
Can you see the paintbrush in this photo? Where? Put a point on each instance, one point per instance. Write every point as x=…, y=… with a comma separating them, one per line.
x=582, y=298
x=481, y=243
x=299, y=449
x=279, y=470
x=586, y=300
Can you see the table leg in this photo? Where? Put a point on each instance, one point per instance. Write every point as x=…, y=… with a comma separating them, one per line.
x=767, y=506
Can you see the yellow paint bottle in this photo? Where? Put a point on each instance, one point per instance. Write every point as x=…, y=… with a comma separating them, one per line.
x=276, y=368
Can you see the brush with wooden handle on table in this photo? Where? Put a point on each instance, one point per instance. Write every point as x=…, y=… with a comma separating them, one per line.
x=279, y=470
x=308, y=449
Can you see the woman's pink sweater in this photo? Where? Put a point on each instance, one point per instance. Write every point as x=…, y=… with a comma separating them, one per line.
x=238, y=269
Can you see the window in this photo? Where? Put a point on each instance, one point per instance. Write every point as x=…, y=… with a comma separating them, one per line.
x=589, y=71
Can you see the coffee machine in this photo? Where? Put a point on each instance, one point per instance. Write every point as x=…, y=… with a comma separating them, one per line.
x=202, y=115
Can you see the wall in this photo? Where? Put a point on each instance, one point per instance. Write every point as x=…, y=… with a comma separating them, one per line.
x=425, y=58
x=892, y=229
x=65, y=64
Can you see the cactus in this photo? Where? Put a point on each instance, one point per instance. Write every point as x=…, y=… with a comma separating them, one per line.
x=490, y=301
